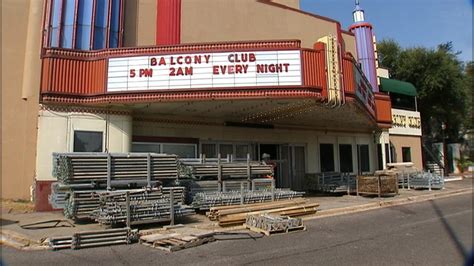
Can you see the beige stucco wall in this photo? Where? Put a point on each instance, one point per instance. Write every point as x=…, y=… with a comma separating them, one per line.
x=290, y=3
x=311, y=139
x=408, y=141
x=350, y=43
x=56, y=134
x=236, y=20
x=19, y=117
x=230, y=20
x=140, y=23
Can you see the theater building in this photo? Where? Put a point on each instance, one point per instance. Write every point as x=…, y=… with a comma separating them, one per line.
x=232, y=77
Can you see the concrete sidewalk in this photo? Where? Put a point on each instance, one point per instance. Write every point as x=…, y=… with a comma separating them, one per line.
x=13, y=235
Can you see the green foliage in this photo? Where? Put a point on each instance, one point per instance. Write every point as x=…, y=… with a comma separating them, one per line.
x=443, y=82
x=463, y=163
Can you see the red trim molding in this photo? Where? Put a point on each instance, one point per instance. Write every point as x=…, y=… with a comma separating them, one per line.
x=163, y=49
x=360, y=25
x=168, y=22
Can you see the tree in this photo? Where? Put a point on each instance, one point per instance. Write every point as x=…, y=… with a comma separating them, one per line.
x=442, y=84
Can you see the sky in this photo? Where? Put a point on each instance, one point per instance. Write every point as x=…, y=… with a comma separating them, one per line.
x=411, y=23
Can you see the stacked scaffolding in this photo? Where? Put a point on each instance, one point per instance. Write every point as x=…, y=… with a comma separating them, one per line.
x=206, y=200
x=94, y=239
x=336, y=182
x=139, y=207
x=198, y=168
x=421, y=180
x=81, y=204
x=109, y=169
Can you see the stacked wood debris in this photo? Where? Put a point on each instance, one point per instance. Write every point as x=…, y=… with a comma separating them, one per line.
x=169, y=241
x=97, y=238
x=235, y=215
x=271, y=224
x=377, y=185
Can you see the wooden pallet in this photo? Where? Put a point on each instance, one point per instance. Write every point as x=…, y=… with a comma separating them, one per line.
x=268, y=233
x=174, y=241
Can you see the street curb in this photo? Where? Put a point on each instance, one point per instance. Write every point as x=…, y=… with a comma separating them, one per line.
x=385, y=204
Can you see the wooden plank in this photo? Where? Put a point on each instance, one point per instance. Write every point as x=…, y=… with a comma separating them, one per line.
x=156, y=237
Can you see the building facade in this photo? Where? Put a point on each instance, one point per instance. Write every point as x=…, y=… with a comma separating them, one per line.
x=195, y=78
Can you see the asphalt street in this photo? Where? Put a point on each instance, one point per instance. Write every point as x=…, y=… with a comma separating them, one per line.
x=435, y=232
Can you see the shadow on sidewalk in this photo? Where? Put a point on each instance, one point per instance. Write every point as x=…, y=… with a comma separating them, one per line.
x=468, y=256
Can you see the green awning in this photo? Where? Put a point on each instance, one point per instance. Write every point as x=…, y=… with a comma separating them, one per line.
x=397, y=86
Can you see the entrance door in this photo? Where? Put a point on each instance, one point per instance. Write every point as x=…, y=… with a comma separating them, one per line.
x=363, y=159
x=298, y=167
x=292, y=167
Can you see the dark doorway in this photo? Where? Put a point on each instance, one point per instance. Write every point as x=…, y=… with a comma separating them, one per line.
x=271, y=149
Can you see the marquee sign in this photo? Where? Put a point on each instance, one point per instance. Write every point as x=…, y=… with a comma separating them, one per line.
x=364, y=90
x=205, y=70
x=405, y=123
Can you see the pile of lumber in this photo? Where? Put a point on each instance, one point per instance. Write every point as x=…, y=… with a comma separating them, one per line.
x=234, y=215
x=175, y=241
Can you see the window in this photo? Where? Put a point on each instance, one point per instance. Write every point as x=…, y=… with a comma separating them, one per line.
x=406, y=154
x=115, y=24
x=85, y=24
x=146, y=147
x=241, y=151
x=87, y=141
x=326, y=155
x=183, y=150
x=364, y=158
x=100, y=24
x=226, y=149
x=405, y=102
x=55, y=23
x=345, y=158
x=209, y=150
x=68, y=24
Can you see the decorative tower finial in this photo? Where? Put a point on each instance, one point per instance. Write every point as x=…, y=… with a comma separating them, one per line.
x=365, y=45
x=358, y=13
